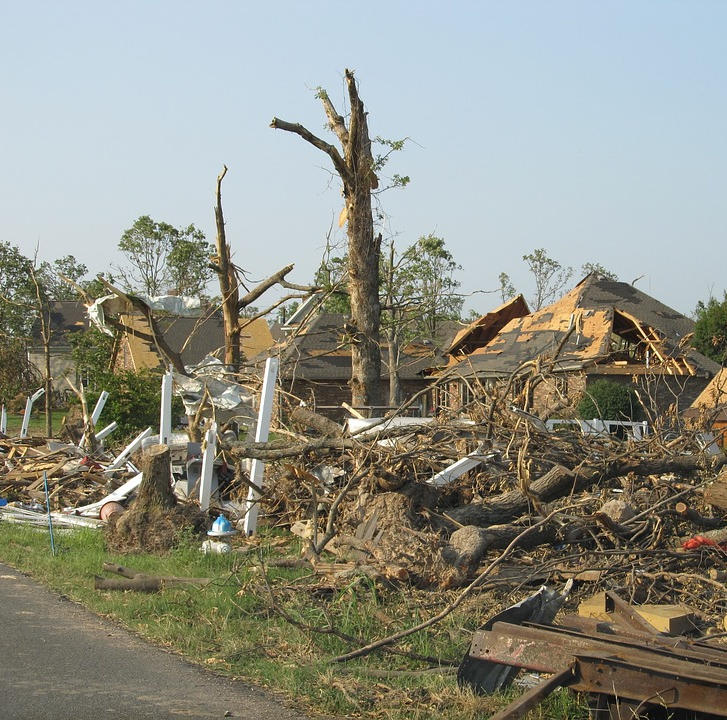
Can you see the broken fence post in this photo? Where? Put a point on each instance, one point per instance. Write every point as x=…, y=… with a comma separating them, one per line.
x=261, y=435
x=165, y=414
x=129, y=450
x=101, y=434
x=28, y=409
x=98, y=409
x=208, y=464
x=4, y=421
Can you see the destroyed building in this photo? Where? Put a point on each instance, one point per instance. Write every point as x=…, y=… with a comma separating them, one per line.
x=193, y=338
x=601, y=329
x=709, y=411
x=316, y=365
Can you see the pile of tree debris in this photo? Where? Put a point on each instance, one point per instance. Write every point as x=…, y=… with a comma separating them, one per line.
x=646, y=518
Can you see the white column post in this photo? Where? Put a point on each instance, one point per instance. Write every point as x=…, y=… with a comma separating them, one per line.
x=100, y=403
x=165, y=415
x=4, y=421
x=28, y=409
x=208, y=462
x=261, y=435
x=131, y=448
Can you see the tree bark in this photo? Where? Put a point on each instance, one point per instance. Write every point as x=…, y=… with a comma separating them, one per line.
x=356, y=171
x=156, y=482
x=229, y=287
x=323, y=425
x=560, y=481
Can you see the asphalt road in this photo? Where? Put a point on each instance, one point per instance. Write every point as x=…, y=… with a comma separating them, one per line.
x=58, y=661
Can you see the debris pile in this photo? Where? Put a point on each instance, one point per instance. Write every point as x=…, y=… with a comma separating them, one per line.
x=433, y=504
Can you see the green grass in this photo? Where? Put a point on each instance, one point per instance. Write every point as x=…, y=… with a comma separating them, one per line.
x=36, y=426
x=232, y=626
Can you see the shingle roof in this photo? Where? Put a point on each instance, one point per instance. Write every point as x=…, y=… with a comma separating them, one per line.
x=595, y=308
x=321, y=351
x=194, y=338
x=66, y=316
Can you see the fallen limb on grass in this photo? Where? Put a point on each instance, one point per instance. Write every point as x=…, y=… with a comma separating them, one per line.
x=141, y=582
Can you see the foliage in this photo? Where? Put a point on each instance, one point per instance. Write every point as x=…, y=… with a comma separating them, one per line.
x=17, y=292
x=161, y=257
x=549, y=275
x=91, y=354
x=507, y=289
x=710, y=331
x=426, y=280
x=417, y=288
x=17, y=375
x=332, y=278
x=609, y=400
x=134, y=399
x=598, y=269
x=286, y=311
x=50, y=276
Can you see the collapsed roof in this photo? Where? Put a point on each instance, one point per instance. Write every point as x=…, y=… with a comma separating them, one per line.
x=601, y=325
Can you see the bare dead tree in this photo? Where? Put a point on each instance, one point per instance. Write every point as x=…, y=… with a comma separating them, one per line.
x=229, y=286
x=355, y=167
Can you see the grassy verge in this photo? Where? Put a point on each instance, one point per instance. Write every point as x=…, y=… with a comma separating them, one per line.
x=36, y=426
x=247, y=623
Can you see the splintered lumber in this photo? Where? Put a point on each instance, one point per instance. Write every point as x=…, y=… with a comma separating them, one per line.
x=670, y=619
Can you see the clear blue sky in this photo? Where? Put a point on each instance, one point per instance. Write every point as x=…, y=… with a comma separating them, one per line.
x=595, y=130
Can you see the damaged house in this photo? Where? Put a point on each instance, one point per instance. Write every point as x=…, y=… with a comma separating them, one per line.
x=315, y=364
x=709, y=411
x=601, y=329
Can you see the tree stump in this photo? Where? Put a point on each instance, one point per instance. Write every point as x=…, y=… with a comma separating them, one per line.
x=155, y=491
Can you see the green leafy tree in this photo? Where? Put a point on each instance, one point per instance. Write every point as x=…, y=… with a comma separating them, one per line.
x=507, y=289
x=418, y=293
x=51, y=275
x=609, y=400
x=17, y=292
x=91, y=353
x=160, y=258
x=133, y=402
x=710, y=331
x=589, y=267
x=549, y=275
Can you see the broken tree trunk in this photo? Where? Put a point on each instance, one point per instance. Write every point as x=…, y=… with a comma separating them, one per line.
x=356, y=170
x=141, y=582
x=229, y=286
x=155, y=490
x=323, y=425
x=559, y=481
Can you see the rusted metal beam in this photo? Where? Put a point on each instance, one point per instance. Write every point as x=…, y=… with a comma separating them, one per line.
x=656, y=669
x=656, y=685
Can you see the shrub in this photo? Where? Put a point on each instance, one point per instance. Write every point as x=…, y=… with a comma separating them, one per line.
x=609, y=400
x=133, y=401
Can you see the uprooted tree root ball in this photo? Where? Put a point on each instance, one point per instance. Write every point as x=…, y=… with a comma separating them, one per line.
x=153, y=529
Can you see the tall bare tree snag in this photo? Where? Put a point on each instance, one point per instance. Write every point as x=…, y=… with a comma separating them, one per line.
x=229, y=286
x=356, y=170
